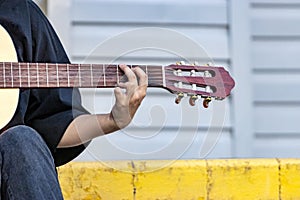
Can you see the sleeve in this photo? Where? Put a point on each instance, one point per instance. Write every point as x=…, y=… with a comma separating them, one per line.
x=49, y=111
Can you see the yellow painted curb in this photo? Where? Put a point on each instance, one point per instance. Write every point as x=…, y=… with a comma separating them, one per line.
x=243, y=179
x=290, y=179
x=182, y=179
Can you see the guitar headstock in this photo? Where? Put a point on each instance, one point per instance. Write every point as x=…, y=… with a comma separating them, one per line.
x=207, y=82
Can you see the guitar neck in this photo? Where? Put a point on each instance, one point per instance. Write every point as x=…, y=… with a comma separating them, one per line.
x=48, y=75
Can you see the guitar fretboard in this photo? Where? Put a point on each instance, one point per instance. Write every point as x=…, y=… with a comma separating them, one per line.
x=43, y=75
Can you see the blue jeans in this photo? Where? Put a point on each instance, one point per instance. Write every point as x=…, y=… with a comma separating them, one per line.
x=27, y=167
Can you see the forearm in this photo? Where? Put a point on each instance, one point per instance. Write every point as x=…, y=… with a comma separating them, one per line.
x=86, y=127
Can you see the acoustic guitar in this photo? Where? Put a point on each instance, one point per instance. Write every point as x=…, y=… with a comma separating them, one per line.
x=207, y=82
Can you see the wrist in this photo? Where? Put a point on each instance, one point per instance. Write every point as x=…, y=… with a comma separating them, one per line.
x=112, y=122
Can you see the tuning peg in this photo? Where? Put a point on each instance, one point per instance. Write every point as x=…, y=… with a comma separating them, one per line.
x=192, y=100
x=206, y=102
x=209, y=64
x=180, y=63
x=179, y=97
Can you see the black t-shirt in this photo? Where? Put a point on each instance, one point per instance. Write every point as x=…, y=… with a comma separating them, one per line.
x=48, y=111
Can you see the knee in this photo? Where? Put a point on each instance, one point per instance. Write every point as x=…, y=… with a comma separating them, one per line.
x=19, y=134
x=19, y=139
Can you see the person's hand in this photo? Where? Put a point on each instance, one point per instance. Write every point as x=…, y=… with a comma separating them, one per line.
x=128, y=102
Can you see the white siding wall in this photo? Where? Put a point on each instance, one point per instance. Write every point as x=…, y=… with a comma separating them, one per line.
x=275, y=52
x=256, y=40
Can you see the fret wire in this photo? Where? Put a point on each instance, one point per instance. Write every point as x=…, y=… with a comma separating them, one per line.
x=47, y=74
x=20, y=78
x=37, y=75
x=28, y=74
x=4, y=75
x=57, y=79
x=163, y=74
x=92, y=78
x=79, y=76
x=147, y=70
x=118, y=78
x=104, y=80
x=12, y=75
x=68, y=71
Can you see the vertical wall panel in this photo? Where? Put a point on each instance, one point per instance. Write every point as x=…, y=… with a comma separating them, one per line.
x=242, y=110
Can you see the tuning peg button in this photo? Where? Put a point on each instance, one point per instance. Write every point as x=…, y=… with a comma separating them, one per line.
x=192, y=100
x=179, y=97
x=180, y=63
x=209, y=64
x=206, y=102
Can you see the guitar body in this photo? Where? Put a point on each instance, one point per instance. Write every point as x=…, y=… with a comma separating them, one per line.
x=9, y=97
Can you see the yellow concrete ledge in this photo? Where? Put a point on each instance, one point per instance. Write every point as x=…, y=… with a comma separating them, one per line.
x=263, y=179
